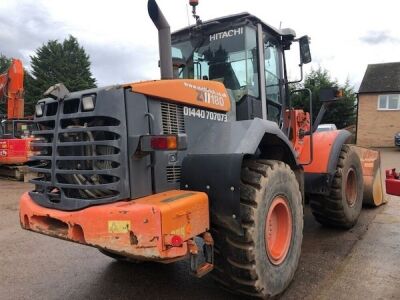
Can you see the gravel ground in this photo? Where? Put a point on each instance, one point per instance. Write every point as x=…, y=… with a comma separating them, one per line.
x=357, y=264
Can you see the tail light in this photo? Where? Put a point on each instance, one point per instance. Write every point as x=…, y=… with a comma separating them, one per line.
x=173, y=240
x=163, y=142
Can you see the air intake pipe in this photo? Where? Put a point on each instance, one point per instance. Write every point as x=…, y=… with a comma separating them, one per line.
x=164, y=39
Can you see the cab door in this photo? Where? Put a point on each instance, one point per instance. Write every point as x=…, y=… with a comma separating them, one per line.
x=273, y=77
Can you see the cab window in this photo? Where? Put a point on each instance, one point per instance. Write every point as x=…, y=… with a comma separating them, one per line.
x=228, y=57
x=272, y=78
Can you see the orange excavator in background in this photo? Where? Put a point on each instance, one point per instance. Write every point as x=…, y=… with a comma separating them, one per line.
x=15, y=129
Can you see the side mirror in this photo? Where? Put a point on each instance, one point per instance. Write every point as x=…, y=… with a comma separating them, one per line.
x=305, y=53
x=330, y=94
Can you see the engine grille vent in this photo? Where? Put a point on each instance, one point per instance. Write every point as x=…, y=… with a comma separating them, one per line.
x=78, y=157
x=173, y=174
x=172, y=118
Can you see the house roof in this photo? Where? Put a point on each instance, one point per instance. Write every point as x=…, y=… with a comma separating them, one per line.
x=381, y=78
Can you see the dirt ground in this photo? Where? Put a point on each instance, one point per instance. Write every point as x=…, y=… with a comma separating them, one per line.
x=362, y=263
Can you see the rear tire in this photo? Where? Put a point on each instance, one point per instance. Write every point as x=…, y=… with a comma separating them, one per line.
x=342, y=207
x=260, y=264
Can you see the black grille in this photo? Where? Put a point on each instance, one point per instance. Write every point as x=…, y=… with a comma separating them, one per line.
x=80, y=154
x=173, y=174
x=172, y=118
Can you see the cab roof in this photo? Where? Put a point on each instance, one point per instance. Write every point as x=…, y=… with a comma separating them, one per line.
x=237, y=18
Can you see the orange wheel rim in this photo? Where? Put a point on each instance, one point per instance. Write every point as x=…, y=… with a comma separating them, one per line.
x=351, y=187
x=278, y=230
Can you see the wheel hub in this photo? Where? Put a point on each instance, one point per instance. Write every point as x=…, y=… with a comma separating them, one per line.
x=351, y=187
x=278, y=230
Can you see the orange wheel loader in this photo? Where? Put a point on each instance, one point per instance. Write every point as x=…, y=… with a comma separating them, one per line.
x=15, y=130
x=212, y=150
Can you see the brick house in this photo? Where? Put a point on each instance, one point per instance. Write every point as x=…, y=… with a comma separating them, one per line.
x=378, y=114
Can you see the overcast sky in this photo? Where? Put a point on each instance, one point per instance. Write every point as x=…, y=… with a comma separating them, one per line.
x=122, y=41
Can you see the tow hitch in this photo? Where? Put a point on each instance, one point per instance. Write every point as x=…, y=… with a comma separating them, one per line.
x=200, y=269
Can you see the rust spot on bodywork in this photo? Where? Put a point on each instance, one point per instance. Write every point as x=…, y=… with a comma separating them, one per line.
x=154, y=239
x=133, y=238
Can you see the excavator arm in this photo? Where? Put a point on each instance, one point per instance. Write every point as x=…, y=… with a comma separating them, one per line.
x=12, y=89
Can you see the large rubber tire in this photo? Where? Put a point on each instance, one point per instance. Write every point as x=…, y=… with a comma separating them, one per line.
x=342, y=207
x=242, y=264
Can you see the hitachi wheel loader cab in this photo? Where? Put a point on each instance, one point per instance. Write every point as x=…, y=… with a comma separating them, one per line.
x=213, y=150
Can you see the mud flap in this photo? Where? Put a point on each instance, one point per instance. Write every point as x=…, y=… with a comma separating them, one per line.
x=217, y=175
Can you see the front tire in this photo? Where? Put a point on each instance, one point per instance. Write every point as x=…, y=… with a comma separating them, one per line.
x=342, y=207
x=262, y=263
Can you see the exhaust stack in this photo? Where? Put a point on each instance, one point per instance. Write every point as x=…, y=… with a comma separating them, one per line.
x=164, y=39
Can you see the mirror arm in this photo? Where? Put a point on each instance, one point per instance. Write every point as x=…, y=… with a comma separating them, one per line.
x=301, y=75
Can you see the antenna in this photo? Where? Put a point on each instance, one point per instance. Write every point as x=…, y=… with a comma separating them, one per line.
x=193, y=4
x=187, y=13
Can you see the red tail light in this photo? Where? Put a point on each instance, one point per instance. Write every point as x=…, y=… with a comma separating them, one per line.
x=173, y=240
x=163, y=143
x=176, y=241
x=149, y=143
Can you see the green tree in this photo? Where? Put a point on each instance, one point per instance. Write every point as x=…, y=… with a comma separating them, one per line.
x=4, y=63
x=57, y=62
x=342, y=113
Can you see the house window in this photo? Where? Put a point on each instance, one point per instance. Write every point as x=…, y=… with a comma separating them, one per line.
x=389, y=102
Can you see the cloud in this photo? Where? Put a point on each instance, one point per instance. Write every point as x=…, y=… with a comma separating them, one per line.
x=112, y=64
x=26, y=30
x=378, y=37
x=34, y=25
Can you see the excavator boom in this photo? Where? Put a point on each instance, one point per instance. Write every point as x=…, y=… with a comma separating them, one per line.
x=12, y=88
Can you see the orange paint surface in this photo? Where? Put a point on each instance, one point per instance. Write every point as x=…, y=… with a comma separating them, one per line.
x=322, y=146
x=300, y=122
x=136, y=228
x=201, y=93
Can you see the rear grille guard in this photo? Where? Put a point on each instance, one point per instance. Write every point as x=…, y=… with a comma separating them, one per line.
x=81, y=164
